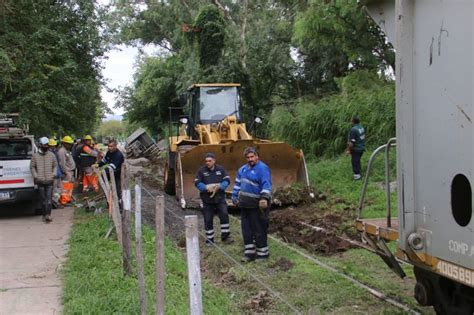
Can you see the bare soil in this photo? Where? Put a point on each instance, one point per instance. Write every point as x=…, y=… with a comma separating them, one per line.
x=288, y=222
x=291, y=224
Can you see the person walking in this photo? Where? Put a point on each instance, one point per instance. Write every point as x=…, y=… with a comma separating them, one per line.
x=67, y=166
x=356, y=146
x=252, y=193
x=212, y=181
x=43, y=167
x=114, y=158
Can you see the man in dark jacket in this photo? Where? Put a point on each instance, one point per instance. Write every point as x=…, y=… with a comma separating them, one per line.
x=356, y=146
x=212, y=181
x=252, y=194
x=43, y=168
x=114, y=158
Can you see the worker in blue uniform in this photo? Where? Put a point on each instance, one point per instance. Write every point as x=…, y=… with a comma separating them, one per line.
x=252, y=193
x=212, y=181
x=114, y=158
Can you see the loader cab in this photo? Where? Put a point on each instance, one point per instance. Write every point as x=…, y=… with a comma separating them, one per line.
x=211, y=103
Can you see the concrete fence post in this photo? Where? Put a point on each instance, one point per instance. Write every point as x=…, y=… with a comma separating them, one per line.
x=194, y=264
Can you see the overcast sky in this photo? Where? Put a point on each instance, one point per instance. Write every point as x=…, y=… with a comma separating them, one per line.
x=118, y=71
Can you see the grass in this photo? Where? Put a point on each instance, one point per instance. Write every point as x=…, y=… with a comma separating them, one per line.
x=334, y=178
x=305, y=285
x=93, y=281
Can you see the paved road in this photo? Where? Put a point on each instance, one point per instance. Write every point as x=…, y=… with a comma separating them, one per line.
x=31, y=254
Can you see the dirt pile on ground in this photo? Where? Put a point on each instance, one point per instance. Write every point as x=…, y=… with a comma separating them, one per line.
x=293, y=195
x=259, y=303
x=312, y=227
x=282, y=264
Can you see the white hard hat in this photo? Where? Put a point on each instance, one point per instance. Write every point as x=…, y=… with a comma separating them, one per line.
x=43, y=140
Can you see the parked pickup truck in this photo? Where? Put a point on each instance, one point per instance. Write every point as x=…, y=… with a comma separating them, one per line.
x=16, y=150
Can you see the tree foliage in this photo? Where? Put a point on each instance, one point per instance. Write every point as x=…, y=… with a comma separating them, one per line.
x=111, y=128
x=154, y=90
x=320, y=127
x=336, y=37
x=283, y=52
x=49, y=67
x=210, y=27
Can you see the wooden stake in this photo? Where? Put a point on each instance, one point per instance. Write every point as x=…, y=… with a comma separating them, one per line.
x=160, y=254
x=116, y=217
x=127, y=208
x=194, y=264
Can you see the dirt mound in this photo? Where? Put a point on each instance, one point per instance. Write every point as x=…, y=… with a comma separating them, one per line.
x=293, y=195
x=259, y=303
x=282, y=264
x=311, y=228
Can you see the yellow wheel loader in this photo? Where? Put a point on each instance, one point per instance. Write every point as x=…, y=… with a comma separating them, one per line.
x=210, y=121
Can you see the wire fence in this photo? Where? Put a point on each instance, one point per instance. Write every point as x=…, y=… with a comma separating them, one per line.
x=121, y=213
x=122, y=225
x=235, y=262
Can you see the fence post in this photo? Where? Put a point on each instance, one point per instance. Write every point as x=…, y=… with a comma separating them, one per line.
x=194, y=265
x=127, y=208
x=116, y=217
x=160, y=254
x=138, y=239
x=108, y=196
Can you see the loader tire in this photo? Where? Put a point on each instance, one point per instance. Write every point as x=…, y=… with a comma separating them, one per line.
x=169, y=181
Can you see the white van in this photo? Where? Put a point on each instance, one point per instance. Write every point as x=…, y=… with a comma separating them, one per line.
x=16, y=150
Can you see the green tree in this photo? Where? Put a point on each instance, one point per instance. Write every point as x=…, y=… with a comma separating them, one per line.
x=111, y=128
x=336, y=37
x=210, y=27
x=153, y=91
x=251, y=42
x=49, y=61
x=226, y=42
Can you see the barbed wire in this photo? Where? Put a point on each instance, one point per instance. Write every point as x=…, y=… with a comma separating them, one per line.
x=232, y=259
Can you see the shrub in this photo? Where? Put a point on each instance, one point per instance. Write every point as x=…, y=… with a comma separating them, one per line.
x=320, y=127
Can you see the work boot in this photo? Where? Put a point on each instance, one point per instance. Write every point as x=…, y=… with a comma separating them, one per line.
x=48, y=219
x=227, y=240
x=247, y=259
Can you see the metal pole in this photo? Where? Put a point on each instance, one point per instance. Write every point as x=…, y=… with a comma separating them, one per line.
x=366, y=180
x=387, y=180
x=160, y=254
x=194, y=265
x=138, y=240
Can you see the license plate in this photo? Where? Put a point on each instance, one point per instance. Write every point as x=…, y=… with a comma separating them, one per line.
x=4, y=195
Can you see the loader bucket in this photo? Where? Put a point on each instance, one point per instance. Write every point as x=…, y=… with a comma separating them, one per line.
x=287, y=165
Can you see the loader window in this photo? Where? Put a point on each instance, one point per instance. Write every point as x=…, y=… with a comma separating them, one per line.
x=15, y=149
x=216, y=104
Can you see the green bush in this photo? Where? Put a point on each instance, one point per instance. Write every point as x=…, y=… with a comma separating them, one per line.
x=320, y=127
